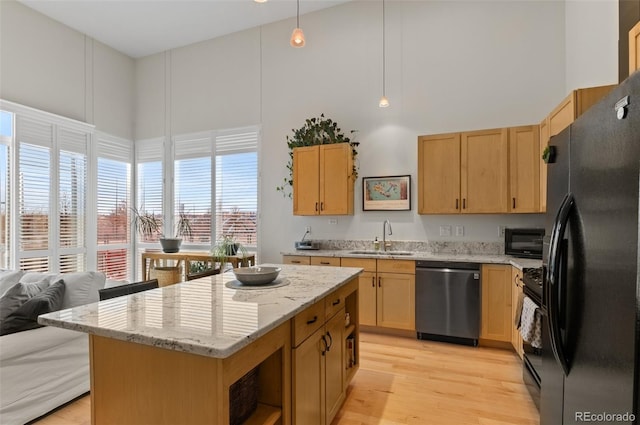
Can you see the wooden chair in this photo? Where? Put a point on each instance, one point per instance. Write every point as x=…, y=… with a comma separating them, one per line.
x=131, y=288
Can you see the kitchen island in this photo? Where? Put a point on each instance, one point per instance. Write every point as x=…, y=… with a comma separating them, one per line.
x=187, y=353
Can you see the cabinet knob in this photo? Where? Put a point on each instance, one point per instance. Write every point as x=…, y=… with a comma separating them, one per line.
x=373, y=281
x=514, y=203
x=464, y=203
x=379, y=281
x=325, y=347
x=330, y=341
x=336, y=302
x=314, y=320
x=316, y=206
x=321, y=206
x=457, y=202
x=325, y=263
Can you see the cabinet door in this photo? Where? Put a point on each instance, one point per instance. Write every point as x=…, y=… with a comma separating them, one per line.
x=484, y=177
x=496, y=302
x=544, y=141
x=563, y=115
x=334, y=366
x=396, y=301
x=367, y=303
x=308, y=380
x=336, y=182
x=634, y=48
x=306, y=180
x=516, y=338
x=439, y=174
x=524, y=169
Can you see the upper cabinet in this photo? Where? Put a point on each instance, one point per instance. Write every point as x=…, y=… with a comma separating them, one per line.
x=323, y=180
x=524, y=169
x=634, y=48
x=571, y=107
x=488, y=171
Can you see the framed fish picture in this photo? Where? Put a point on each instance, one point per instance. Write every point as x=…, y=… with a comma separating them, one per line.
x=390, y=193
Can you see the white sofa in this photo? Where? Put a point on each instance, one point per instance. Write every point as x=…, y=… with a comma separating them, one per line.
x=43, y=368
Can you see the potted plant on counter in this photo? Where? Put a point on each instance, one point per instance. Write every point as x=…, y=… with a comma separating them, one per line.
x=183, y=230
x=226, y=247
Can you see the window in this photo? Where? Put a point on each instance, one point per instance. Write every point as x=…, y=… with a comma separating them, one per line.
x=113, y=207
x=237, y=186
x=192, y=187
x=6, y=135
x=51, y=183
x=149, y=154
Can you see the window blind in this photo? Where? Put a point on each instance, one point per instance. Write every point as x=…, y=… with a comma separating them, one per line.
x=237, y=186
x=192, y=186
x=113, y=202
x=149, y=154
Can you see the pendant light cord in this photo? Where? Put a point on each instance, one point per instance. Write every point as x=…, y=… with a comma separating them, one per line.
x=298, y=14
x=384, y=71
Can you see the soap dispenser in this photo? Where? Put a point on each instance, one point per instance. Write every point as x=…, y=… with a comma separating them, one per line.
x=376, y=244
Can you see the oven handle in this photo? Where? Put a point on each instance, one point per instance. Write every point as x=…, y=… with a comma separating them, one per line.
x=555, y=283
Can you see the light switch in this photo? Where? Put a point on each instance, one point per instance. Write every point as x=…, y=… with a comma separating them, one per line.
x=445, y=230
x=459, y=230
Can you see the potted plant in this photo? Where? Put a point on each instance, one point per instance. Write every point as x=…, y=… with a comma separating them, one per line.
x=316, y=131
x=226, y=247
x=145, y=223
x=183, y=230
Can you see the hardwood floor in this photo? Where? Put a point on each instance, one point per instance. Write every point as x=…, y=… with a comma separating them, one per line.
x=406, y=381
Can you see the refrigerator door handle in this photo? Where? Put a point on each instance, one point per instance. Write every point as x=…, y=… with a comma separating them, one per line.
x=555, y=283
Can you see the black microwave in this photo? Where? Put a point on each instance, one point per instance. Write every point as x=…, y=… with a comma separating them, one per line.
x=524, y=243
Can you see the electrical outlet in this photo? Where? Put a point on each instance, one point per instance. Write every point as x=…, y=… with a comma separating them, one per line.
x=307, y=229
x=333, y=221
x=445, y=230
x=501, y=231
x=459, y=230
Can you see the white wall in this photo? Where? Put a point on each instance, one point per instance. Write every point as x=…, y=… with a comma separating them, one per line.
x=48, y=66
x=591, y=31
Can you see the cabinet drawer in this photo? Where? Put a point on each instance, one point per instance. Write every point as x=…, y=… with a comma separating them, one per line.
x=333, y=303
x=306, y=322
x=296, y=259
x=368, y=264
x=396, y=266
x=325, y=261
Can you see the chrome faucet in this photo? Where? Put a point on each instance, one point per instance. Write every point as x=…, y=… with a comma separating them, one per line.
x=386, y=244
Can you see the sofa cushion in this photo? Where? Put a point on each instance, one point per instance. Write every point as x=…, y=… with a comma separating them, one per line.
x=25, y=317
x=17, y=295
x=81, y=288
x=8, y=278
x=31, y=277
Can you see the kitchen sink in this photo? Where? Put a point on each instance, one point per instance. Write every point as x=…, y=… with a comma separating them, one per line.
x=392, y=253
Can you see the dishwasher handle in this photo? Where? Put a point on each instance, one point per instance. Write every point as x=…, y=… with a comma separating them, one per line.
x=450, y=265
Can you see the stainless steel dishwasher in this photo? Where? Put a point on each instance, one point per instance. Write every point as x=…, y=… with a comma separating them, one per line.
x=448, y=301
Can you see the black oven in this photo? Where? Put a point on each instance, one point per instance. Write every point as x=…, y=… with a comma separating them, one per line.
x=532, y=359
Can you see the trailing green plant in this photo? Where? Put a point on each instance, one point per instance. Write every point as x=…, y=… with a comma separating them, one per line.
x=316, y=131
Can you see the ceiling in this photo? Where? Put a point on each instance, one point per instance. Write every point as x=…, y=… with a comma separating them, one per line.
x=139, y=28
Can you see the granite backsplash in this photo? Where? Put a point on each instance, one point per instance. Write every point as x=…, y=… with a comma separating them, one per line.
x=436, y=247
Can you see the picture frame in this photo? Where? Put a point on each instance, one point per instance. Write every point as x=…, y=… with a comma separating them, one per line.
x=387, y=193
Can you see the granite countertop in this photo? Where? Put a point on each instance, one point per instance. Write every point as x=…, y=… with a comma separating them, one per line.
x=204, y=316
x=422, y=255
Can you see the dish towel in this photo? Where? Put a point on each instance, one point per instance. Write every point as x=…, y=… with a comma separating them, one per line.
x=531, y=323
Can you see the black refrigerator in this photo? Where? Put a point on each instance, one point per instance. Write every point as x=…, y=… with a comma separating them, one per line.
x=590, y=331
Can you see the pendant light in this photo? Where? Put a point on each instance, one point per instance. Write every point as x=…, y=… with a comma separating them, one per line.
x=384, y=102
x=297, y=37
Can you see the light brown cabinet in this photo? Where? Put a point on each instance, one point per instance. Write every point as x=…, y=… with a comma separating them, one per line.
x=386, y=292
x=524, y=169
x=634, y=48
x=325, y=356
x=323, y=180
x=325, y=261
x=517, y=289
x=571, y=107
x=304, y=260
x=497, y=320
x=485, y=171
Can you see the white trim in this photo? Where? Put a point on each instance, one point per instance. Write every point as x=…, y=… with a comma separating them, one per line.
x=46, y=117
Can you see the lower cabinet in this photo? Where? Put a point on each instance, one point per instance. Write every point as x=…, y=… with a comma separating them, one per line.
x=318, y=390
x=386, y=292
x=497, y=316
x=517, y=289
x=325, y=356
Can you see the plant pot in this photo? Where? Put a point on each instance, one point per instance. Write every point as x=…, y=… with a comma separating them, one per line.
x=170, y=245
x=232, y=248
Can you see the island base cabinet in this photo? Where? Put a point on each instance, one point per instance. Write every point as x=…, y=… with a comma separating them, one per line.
x=140, y=384
x=318, y=378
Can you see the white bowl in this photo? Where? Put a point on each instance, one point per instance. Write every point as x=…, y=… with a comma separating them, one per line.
x=257, y=275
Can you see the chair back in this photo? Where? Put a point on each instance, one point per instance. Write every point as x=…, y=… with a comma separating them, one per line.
x=131, y=288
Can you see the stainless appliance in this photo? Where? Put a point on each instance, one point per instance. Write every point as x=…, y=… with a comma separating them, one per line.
x=523, y=243
x=448, y=301
x=590, y=357
x=532, y=359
